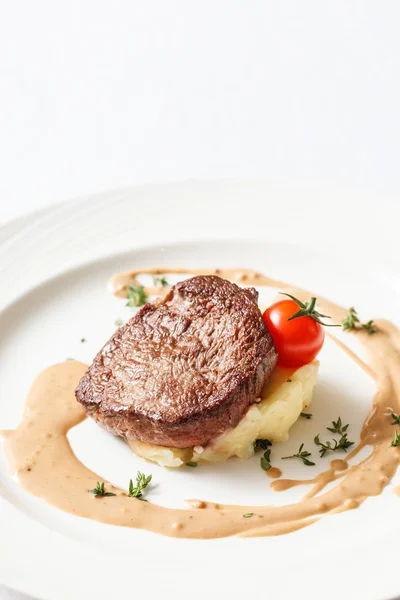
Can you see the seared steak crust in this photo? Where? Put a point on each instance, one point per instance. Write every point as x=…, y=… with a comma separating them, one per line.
x=182, y=370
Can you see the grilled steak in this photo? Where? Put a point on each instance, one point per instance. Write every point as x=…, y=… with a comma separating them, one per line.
x=182, y=370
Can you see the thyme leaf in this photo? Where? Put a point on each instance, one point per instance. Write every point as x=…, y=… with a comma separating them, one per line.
x=306, y=415
x=265, y=461
x=396, y=419
x=261, y=445
x=160, y=281
x=370, y=327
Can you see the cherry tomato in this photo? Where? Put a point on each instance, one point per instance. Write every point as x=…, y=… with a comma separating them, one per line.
x=297, y=342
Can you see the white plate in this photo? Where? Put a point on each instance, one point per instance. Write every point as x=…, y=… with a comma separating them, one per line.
x=53, y=277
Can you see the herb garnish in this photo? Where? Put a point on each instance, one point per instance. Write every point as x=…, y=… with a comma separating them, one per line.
x=83, y=340
x=141, y=483
x=191, y=463
x=352, y=321
x=302, y=454
x=99, y=491
x=396, y=419
x=335, y=445
x=261, y=445
x=369, y=326
x=248, y=515
x=396, y=439
x=136, y=295
x=307, y=309
x=160, y=281
x=306, y=415
x=338, y=427
x=118, y=322
x=265, y=460
x=342, y=444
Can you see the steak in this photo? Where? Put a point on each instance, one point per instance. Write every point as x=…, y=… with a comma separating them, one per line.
x=182, y=370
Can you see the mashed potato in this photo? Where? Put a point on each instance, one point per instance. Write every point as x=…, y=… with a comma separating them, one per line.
x=287, y=394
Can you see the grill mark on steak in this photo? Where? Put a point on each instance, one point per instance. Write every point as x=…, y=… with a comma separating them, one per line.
x=182, y=370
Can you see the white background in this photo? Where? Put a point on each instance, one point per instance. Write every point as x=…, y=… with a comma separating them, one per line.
x=97, y=95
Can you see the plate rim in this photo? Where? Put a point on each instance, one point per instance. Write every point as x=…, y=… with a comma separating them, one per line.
x=35, y=587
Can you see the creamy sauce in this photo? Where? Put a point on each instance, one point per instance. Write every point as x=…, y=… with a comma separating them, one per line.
x=339, y=465
x=274, y=473
x=39, y=453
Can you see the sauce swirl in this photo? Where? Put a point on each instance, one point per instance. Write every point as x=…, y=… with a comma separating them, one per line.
x=39, y=453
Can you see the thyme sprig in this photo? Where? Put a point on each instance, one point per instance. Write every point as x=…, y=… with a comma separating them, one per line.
x=352, y=322
x=338, y=427
x=136, y=295
x=335, y=445
x=351, y=319
x=99, y=490
x=160, y=281
x=303, y=455
x=141, y=483
x=396, y=439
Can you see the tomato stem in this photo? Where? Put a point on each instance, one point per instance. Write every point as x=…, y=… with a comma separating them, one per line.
x=311, y=305
x=307, y=309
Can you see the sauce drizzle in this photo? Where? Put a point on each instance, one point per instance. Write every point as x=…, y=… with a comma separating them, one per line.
x=39, y=453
